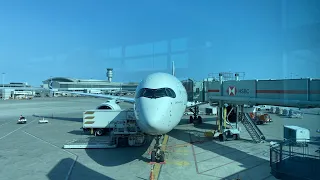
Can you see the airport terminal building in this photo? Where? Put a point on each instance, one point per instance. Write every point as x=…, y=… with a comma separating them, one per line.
x=87, y=85
x=15, y=90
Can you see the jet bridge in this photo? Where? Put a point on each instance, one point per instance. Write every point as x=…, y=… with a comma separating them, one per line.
x=302, y=93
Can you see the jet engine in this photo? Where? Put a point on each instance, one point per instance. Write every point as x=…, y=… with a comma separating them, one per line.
x=109, y=106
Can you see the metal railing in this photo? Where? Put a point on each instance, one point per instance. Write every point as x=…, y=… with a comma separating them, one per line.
x=295, y=158
x=252, y=128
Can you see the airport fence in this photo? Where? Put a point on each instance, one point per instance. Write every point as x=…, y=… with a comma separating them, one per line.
x=292, y=159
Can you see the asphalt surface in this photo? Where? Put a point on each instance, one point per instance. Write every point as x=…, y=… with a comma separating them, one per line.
x=34, y=151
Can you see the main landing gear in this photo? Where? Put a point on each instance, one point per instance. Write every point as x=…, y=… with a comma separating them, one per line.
x=157, y=155
x=195, y=116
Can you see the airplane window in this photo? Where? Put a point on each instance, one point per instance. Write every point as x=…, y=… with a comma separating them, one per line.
x=171, y=93
x=148, y=93
x=104, y=107
x=156, y=93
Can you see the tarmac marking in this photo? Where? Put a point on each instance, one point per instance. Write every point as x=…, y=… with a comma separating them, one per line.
x=178, y=163
x=157, y=167
x=180, y=151
x=4, y=124
x=74, y=161
x=187, y=144
x=16, y=129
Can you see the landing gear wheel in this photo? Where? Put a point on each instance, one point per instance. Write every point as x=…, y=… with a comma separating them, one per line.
x=99, y=132
x=157, y=155
x=191, y=119
x=153, y=156
x=161, y=158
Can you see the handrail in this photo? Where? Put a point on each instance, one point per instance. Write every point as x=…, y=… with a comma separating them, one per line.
x=283, y=151
x=254, y=130
x=254, y=125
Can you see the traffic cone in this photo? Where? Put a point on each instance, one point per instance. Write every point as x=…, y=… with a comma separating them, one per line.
x=151, y=175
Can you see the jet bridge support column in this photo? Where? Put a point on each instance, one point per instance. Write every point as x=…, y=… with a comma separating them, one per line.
x=237, y=116
x=222, y=136
x=224, y=117
x=222, y=121
x=220, y=113
x=231, y=132
x=241, y=112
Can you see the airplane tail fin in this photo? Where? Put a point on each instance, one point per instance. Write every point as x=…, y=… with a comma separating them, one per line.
x=51, y=88
x=50, y=85
x=173, y=69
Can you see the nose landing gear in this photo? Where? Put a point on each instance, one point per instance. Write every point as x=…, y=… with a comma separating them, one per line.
x=157, y=155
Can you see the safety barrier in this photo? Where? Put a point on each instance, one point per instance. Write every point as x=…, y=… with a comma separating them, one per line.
x=292, y=160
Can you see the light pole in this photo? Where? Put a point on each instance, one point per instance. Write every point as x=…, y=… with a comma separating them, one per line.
x=3, y=79
x=3, y=85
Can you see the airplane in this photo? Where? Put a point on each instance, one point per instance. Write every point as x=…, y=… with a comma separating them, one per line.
x=159, y=104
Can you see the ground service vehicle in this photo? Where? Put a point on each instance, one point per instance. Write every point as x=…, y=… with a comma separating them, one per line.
x=296, y=135
x=22, y=120
x=119, y=124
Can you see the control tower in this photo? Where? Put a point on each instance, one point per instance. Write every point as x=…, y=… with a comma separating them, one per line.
x=109, y=74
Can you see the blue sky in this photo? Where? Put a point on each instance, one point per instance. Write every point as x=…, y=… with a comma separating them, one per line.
x=80, y=39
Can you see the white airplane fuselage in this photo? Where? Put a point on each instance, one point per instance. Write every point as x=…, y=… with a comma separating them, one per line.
x=156, y=108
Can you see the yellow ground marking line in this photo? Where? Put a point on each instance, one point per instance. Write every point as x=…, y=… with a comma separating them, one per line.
x=180, y=151
x=157, y=166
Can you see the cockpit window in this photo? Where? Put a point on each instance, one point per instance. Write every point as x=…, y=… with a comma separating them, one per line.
x=156, y=93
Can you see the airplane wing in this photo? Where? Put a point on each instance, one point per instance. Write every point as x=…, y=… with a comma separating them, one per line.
x=125, y=99
x=192, y=104
x=121, y=98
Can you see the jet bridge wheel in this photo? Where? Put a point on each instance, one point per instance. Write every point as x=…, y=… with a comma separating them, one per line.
x=222, y=137
x=236, y=136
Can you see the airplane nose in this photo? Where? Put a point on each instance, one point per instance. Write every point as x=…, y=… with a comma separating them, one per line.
x=154, y=113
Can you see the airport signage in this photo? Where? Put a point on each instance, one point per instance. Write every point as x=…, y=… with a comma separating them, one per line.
x=244, y=91
x=232, y=91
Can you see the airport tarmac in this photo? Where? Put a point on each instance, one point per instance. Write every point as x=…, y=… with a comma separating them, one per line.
x=34, y=151
x=274, y=130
